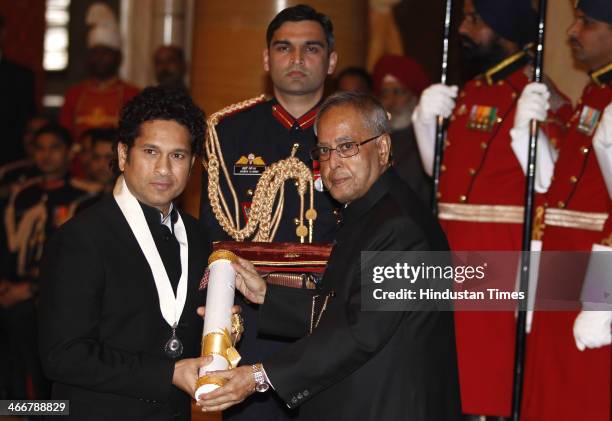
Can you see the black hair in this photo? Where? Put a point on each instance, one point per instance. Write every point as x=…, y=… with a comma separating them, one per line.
x=161, y=103
x=56, y=130
x=300, y=13
x=356, y=71
x=100, y=135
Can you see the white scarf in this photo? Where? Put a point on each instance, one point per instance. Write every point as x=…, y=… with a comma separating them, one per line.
x=171, y=307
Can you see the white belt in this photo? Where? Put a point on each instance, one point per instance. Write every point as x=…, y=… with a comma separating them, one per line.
x=481, y=213
x=589, y=221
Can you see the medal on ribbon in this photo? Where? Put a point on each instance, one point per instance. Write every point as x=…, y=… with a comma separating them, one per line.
x=589, y=117
x=482, y=118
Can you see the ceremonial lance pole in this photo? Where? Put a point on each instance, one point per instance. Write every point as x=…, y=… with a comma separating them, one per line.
x=440, y=132
x=519, y=358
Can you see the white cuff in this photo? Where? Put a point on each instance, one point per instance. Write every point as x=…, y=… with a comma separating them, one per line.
x=266, y=378
x=425, y=134
x=545, y=160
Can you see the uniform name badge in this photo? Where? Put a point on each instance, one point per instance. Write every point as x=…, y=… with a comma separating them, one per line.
x=249, y=165
x=482, y=118
x=589, y=117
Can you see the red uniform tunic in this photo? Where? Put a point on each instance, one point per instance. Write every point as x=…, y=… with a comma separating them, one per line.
x=563, y=383
x=92, y=104
x=481, y=208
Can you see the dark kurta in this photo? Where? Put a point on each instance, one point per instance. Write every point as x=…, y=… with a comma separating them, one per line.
x=361, y=365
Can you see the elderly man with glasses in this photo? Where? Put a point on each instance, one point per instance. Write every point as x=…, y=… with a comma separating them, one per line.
x=351, y=363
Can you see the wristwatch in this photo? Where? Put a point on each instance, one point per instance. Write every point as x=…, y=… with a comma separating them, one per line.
x=261, y=385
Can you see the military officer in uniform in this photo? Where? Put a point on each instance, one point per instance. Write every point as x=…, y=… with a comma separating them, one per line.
x=481, y=189
x=568, y=372
x=299, y=55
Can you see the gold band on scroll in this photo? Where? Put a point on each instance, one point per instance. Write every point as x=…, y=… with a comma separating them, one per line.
x=222, y=255
x=219, y=381
x=219, y=343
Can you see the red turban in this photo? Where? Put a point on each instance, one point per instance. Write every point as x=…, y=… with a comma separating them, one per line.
x=405, y=69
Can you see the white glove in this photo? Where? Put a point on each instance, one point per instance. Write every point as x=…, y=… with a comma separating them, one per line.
x=533, y=105
x=602, y=144
x=436, y=100
x=592, y=329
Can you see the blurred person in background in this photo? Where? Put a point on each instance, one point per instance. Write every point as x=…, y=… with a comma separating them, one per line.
x=96, y=102
x=22, y=169
x=99, y=168
x=398, y=83
x=170, y=66
x=35, y=209
x=356, y=79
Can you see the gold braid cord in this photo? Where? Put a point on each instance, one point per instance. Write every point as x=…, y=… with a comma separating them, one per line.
x=268, y=200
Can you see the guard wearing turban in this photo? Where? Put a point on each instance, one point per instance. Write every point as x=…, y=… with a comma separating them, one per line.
x=568, y=372
x=481, y=192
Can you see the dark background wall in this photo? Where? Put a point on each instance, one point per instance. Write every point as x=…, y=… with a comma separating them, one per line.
x=25, y=31
x=421, y=26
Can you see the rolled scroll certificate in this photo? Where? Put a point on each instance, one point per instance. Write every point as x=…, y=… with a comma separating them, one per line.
x=216, y=337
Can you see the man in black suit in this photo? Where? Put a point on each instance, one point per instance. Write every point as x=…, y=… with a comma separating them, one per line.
x=17, y=103
x=119, y=288
x=352, y=364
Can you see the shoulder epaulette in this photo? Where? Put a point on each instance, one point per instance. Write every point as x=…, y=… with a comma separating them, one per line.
x=506, y=67
x=232, y=109
x=602, y=76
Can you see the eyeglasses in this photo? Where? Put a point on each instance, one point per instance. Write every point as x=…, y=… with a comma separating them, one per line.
x=344, y=150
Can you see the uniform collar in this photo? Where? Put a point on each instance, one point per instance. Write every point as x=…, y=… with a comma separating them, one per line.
x=506, y=67
x=354, y=210
x=303, y=123
x=602, y=76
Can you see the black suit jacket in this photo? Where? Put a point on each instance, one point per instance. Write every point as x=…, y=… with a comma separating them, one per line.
x=102, y=334
x=361, y=365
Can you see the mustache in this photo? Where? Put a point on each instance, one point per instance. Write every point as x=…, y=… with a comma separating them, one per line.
x=300, y=69
x=574, y=42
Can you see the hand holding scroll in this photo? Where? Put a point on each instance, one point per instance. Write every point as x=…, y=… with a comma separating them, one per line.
x=240, y=385
x=249, y=282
